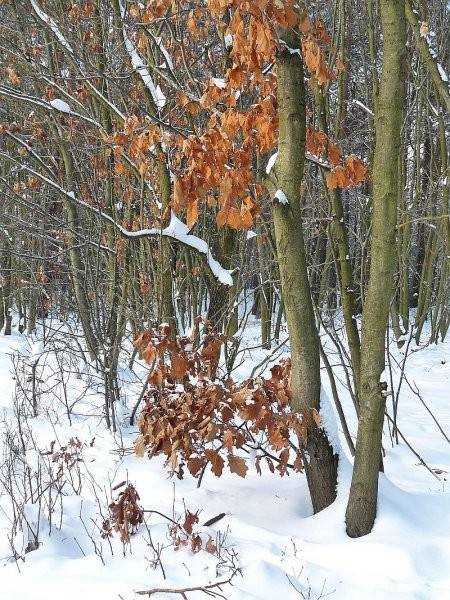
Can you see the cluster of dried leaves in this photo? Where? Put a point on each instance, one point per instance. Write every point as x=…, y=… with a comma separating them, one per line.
x=196, y=420
x=126, y=513
x=183, y=534
x=232, y=117
x=242, y=109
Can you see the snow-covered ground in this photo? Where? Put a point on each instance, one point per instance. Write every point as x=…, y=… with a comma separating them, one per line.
x=267, y=534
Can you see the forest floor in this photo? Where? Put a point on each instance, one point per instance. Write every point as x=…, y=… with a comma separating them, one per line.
x=267, y=541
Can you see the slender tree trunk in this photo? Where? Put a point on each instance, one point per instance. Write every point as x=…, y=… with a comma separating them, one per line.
x=321, y=465
x=362, y=505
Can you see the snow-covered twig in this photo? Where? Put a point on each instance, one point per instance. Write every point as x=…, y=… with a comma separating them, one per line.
x=176, y=229
x=139, y=67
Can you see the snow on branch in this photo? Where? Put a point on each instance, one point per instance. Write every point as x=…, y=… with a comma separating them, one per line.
x=425, y=46
x=53, y=26
x=176, y=229
x=49, y=22
x=61, y=105
x=138, y=65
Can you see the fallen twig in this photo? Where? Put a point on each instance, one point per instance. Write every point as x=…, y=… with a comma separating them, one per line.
x=209, y=589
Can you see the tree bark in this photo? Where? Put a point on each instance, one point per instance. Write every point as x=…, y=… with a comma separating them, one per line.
x=362, y=505
x=321, y=465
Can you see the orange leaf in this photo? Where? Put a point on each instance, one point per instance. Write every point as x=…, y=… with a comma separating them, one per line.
x=338, y=178
x=233, y=218
x=246, y=218
x=305, y=23
x=317, y=418
x=179, y=194
x=332, y=180
x=149, y=354
x=334, y=154
x=192, y=214
x=357, y=169
x=119, y=138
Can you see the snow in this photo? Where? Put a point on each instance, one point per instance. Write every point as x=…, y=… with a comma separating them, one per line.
x=51, y=23
x=442, y=73
x=60, y=105
x=363, y=106
x=291, y=50
x=164, y=51
x=271, y=163
x=65, y=44
x=281, y=197
x=329, y=422
x=138, y=64
x=220, y=83
x=160, y=97
x=176, y=230
x=179, y=231
x=228, y=39
x=267, y=524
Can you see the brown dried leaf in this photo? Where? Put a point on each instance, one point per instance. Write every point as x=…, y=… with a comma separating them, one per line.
x=149, y=354
x=237, y=465
x=192, y=214
x=179, y=365
x=190, y=520
x=196, y=544
x=216, y=461
x=227, y=440
x=14, y=77
x=210, y=546
x=195, y=465
x=140, y=447
x=317, y=418
x=282, y=465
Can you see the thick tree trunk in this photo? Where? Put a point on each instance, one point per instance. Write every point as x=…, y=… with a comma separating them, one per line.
x=321, y=467
x=361, y=509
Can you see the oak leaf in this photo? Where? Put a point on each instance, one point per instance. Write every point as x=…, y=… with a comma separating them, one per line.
x=237, y=465
x=227, y=439
x=195, y=465
x=190, y=520
x=216, y=461
x=210, y=546
x=196, y=544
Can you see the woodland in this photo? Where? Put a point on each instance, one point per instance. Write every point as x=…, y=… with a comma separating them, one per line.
x=175, y=173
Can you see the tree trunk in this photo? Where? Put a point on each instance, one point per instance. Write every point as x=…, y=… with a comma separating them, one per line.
x=286, y=177
x=361, y=509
